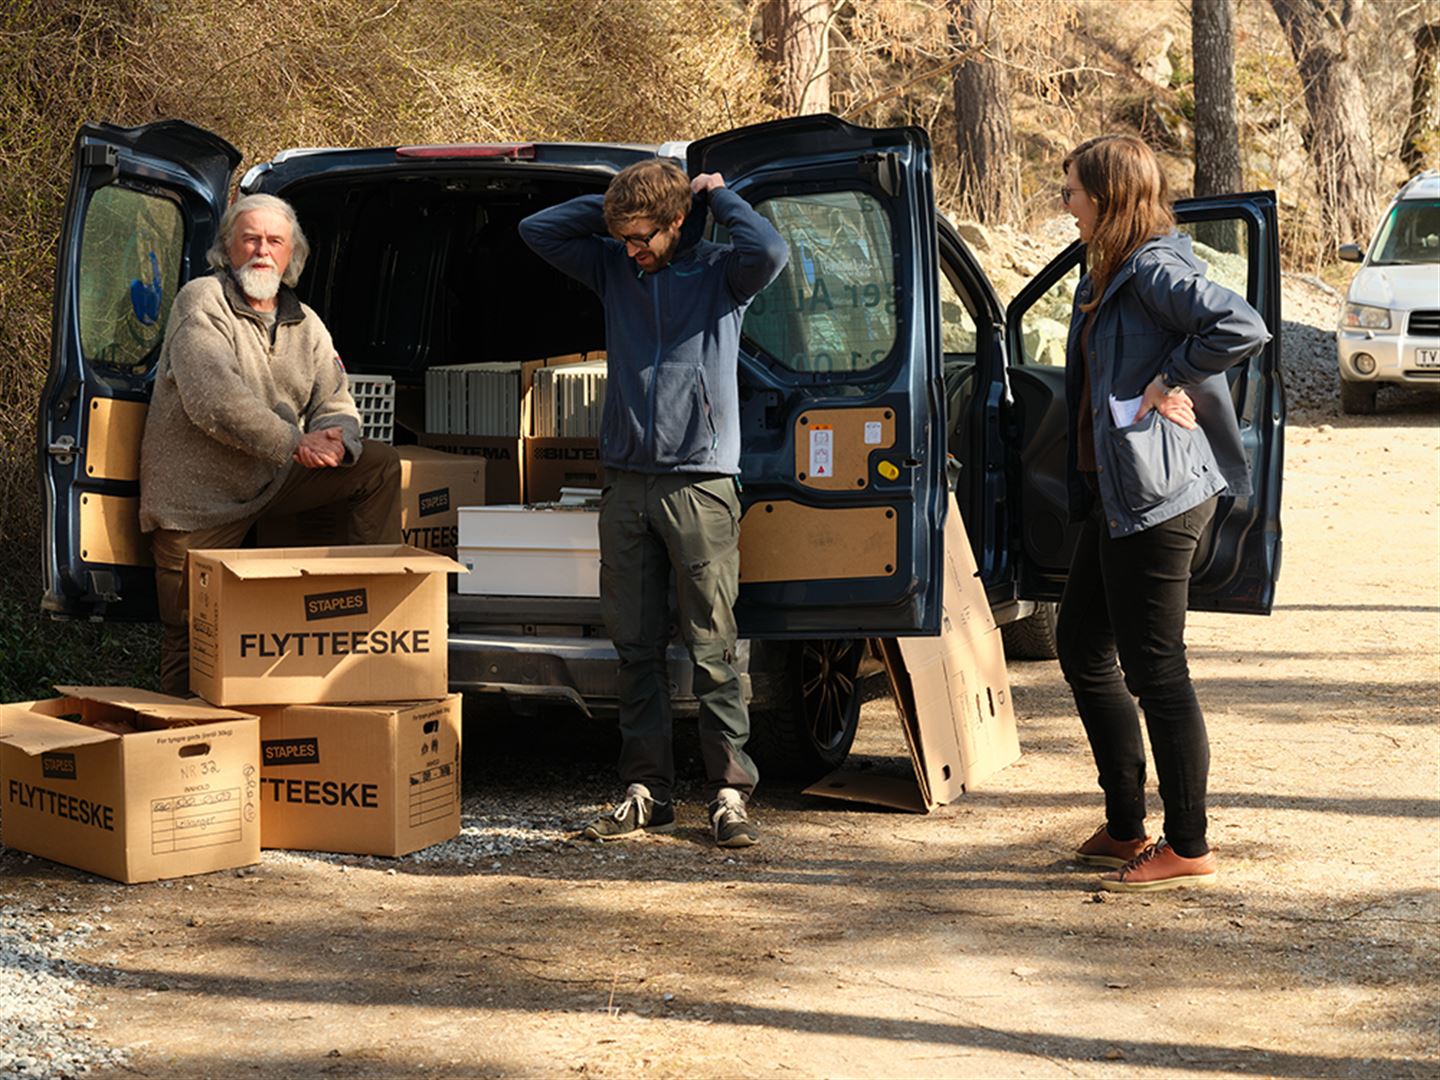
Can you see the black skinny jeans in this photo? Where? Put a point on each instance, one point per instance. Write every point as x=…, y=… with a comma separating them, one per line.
x=1126, y=598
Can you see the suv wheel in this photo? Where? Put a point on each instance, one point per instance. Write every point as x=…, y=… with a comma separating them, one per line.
x=1357, y=399
x=810, y=731
x=1033, y=637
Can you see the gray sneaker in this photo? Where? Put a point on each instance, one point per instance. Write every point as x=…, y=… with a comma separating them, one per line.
x=733, y=827
x=637, y=815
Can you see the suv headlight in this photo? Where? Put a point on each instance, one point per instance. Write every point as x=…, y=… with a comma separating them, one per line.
x=1365, y=317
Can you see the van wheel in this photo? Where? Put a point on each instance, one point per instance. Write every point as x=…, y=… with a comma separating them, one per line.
x=1357, y=399
x=1033, y=637
x=810, y=730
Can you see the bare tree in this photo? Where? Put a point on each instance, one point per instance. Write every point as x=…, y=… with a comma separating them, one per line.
x=1217, y=134
x=794, y=37
x=1421, y=142
x=988, y=168
x=1337, y=136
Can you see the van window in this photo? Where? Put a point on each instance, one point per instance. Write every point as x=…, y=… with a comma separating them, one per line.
x=130, y=254
x=1222, y=244
x=957, y=325
x=833, y=306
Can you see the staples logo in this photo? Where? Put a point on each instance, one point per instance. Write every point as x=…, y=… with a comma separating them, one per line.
x=336, y=605
x=434, y=502
x=56, y=766
x=275, y=752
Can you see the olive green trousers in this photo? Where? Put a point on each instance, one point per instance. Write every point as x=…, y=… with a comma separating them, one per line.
x=652, y=527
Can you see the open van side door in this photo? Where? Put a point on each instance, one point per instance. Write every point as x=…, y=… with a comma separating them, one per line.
x=143, y=207
x=1237, y=565
x=842, y=410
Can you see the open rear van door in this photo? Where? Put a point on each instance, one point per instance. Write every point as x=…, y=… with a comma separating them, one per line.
x=143, y=207
x=842, y=411
x=1237, y=564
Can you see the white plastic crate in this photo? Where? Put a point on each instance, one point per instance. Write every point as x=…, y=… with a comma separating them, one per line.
x=523, y=551
x=375, y=398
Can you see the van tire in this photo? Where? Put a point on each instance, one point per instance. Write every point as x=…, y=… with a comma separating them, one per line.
x=808, y=732
x=1033, y=637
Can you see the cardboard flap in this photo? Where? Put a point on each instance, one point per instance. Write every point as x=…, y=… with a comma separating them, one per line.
x=178, y=712
x=35, y=733
x=273, y=563
x=851, y=785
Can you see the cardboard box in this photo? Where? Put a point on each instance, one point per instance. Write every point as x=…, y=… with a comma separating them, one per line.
x=503, y=459
x=434, y=486
x=520, y=551
x=177, y=793
x=953, y=696
x=282, y=626
x=360, y=779
x=553, y=463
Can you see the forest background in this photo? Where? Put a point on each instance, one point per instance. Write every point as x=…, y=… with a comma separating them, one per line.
x=1331, y=103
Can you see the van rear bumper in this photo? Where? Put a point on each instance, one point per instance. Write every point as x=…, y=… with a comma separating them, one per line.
x=577, y=671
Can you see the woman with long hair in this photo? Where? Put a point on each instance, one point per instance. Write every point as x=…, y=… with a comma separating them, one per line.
x=1154, y=443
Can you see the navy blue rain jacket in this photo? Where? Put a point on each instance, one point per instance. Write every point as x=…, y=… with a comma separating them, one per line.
x=1160, y=315
x=672, y=338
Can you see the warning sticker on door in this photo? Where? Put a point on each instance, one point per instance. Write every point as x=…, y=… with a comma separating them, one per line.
x=822, y=450
x=872, y=432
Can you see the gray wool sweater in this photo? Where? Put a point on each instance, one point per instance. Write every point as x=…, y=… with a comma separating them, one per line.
x=229, y=407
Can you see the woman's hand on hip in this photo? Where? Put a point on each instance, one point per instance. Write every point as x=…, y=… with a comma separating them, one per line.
x=1174, y=406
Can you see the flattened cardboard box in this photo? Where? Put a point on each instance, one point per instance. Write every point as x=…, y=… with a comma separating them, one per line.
x=953, y=696
x=180, y=796
x=301, y=626
x=360, y=779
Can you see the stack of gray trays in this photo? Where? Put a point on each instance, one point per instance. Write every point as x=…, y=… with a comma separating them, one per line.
x=569, y=399
x=473, y=399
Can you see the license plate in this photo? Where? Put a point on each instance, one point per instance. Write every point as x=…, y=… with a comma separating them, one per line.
x=1427, y=357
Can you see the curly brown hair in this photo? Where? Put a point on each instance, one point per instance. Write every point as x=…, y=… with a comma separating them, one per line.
x=654, y=189
x=1132, y=196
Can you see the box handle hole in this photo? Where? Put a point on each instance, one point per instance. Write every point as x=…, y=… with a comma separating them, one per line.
x=196, y=750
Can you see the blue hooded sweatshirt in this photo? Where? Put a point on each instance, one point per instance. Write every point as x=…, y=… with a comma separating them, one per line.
x=672, y=338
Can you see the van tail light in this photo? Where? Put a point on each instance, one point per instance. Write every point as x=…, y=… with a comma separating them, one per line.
x=511, y=151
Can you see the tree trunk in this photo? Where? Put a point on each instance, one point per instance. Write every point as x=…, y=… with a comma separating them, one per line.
x=1217, y=134
x=1337, y=136
x=794, y=37
x=1421, y=144
x=989, y=176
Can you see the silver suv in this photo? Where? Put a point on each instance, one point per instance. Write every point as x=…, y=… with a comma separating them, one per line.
x=1389, y=328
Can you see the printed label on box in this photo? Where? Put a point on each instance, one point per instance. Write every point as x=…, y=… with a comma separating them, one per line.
x=336, y=605
x=57, y=766
x=187, y=822
x=290, y=752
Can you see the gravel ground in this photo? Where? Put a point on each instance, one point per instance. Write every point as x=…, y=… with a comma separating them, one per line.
x=43, y=1029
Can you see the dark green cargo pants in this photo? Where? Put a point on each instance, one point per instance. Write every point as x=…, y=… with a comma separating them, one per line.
x=651, y=525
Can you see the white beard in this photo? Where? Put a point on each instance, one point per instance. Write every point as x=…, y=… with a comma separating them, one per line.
x=258, y=282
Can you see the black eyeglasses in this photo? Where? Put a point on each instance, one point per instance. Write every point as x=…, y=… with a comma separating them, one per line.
x=641, y=241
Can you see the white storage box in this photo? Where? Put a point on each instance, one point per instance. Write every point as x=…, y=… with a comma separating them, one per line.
x=524, y=551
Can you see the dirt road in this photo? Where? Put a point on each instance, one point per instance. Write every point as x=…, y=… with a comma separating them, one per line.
x=878, y=944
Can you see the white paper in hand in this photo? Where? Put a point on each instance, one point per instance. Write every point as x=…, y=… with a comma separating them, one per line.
x=1123, y=412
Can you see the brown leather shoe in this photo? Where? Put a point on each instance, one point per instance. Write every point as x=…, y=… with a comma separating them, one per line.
x=1104, y=850
x=1160, y=867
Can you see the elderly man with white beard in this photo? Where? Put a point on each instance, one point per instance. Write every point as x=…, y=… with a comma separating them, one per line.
x=251, y=415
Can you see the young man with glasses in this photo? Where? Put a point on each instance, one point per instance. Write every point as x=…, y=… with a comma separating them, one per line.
x=670, y=444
